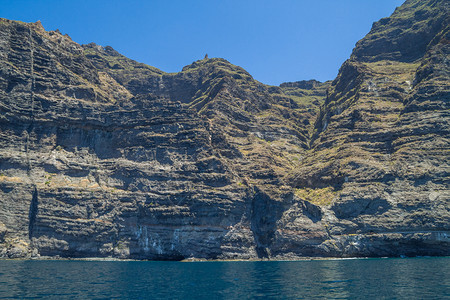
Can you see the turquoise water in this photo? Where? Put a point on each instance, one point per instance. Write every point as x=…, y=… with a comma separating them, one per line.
x=411, y=278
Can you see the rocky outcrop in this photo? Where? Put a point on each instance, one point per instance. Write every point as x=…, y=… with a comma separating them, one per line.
x=102, y=156
x=381, y=139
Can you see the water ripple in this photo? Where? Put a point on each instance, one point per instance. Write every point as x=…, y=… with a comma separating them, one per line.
x=337, y=279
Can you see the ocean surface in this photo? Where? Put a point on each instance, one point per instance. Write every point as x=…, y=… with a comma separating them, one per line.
x=409, y=278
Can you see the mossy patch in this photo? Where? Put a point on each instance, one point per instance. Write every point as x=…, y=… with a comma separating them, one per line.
x=321, y=197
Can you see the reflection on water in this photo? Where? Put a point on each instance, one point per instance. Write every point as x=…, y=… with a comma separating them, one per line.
x=337, y=279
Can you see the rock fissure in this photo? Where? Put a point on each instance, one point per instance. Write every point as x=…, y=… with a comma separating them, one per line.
x=33, y=212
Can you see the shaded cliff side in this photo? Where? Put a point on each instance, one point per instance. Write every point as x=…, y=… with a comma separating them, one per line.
x=102, y=156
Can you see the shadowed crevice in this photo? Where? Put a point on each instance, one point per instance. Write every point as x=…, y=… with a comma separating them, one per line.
x=32, y=213
x=265, y=212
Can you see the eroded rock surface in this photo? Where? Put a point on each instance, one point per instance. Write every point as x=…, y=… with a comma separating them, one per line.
x=102, y=156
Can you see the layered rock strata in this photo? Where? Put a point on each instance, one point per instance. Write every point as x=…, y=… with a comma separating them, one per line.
x=102, y=156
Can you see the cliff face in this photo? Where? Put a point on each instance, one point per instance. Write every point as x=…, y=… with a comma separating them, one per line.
x=382, y=137
x=102, y=156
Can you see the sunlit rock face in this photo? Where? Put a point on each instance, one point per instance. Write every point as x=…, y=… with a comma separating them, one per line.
x=102, y=156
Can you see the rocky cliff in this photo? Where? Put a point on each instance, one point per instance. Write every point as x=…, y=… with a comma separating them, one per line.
x=102, y=156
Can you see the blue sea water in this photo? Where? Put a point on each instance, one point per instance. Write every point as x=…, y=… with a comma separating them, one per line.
x=410, y=278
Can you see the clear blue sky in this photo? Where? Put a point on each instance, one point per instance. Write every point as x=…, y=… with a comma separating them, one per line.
x=274, y=40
